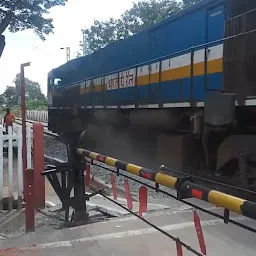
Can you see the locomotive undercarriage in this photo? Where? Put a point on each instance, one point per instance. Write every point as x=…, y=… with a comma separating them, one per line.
x=202, y=141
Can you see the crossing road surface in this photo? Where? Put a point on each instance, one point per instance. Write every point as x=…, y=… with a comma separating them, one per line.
x=130, y=236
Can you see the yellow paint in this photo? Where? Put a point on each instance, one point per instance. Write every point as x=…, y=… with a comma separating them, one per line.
x=82, y=90
x=97, y=88
x=93, y=155
x=143, y=80
x=213, y=66
x=79, y=151
x=134, y=169
x=177, y=73
x=110, y=161
x=154, y=78
x=148, y=79
x=88, y=89
x=198, y=69
x=229, y=202
x=165, y=180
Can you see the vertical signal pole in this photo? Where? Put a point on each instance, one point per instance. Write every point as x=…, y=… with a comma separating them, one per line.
x=27, y=174
x=83, y=43
x=68, y=54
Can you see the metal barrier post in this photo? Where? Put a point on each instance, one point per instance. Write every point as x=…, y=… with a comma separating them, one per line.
x=38, y=163
x=30, y=202
x=79, y=215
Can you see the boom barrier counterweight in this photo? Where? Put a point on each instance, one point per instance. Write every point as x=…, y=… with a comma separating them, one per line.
x=186, y=187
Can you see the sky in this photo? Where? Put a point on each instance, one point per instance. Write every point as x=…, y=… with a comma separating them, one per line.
x=45, y=55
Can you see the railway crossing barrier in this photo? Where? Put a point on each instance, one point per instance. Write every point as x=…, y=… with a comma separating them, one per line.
x=142, y=192
x=67, y=176
x=185, y=186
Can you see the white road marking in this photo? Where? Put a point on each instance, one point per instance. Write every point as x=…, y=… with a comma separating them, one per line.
x=124, y=234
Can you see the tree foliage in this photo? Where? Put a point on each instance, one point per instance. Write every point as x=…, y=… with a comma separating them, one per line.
x=9, y=96
x=18, y=15
x=27, y=14
x=34, y=95
x=187, y=3
x=142, y=15
x=33, y=89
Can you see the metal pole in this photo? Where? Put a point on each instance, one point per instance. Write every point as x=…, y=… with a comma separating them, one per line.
x=68, y=54
x=27, y=177
x=79, y=215
x=23, y=115
x=83, y=44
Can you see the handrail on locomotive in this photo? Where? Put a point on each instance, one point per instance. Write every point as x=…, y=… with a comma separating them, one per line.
x=188, y=50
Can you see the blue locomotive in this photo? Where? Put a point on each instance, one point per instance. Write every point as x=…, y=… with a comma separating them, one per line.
x=154, y=66
x=191, y=74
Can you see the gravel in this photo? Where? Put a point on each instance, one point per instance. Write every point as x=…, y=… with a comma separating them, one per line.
x=13, y=224
x=57, y=149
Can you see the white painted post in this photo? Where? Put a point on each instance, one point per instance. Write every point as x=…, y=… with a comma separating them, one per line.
x=20, y=171
x=1, y=167
x=10, y=169
x=29, y=145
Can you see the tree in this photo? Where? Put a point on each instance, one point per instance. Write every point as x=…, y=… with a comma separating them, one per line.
x=187, y=3
x=34, y=95
x=2, y=44
x=141, y=16
x=19, y=15
x=2, y=100
x=36, y=104
x=146, y=13
x=33, y=89
x=9, y=96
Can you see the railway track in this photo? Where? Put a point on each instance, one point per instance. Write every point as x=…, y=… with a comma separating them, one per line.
x=95, y=184
x=46, y=132
x=217, y=182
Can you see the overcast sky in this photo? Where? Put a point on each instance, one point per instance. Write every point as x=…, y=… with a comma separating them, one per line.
x=68, y=22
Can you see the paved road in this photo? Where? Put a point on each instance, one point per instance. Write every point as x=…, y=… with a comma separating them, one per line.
x=130, y=236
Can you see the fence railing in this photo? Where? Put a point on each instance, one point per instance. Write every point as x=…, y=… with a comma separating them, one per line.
x=11, y=171
x=37, y=115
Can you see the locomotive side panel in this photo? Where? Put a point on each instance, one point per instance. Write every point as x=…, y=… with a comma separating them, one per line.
x=240, y=56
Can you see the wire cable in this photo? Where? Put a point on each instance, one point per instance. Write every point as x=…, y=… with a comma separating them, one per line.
x=180, y=200
x=152, y=225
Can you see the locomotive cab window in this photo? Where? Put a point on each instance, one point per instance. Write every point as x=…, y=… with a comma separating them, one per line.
x=57, y=82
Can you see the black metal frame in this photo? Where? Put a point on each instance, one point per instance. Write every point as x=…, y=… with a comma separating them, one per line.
x=71, y=176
